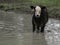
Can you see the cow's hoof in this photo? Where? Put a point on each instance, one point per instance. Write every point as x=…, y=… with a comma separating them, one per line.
x=42, y=31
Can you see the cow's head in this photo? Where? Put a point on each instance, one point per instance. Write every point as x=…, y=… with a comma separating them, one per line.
x=37, y=10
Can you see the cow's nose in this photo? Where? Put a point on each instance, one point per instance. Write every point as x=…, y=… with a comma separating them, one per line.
x=37, y=15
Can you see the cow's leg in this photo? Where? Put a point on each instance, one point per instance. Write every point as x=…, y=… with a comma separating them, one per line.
x=37, y=29
x=42, y=28
x=33, y=27
x=33, y=23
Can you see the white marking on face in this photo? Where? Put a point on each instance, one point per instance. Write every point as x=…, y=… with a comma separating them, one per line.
x=37, y=11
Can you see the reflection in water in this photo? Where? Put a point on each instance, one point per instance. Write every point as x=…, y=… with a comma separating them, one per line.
x=38, y=39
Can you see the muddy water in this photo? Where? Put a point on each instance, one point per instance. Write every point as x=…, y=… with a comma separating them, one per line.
x=16, y=29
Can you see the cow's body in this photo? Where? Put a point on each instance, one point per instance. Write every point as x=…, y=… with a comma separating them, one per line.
x=41, y=20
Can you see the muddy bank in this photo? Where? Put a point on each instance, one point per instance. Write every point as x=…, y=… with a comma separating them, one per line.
x=53, y=11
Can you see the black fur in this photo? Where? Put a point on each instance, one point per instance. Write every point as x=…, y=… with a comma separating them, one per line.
x=40, y=21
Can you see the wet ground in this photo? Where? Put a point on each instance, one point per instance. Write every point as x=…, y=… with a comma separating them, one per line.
x=16, y=29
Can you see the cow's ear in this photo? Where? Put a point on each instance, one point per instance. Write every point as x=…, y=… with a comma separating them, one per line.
x=43, y=7
x=32, y=7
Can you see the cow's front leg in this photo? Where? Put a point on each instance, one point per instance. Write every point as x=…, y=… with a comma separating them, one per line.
x=37, y=29
x=42, y=28
x=33, y=27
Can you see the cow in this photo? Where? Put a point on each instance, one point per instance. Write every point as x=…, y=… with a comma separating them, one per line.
x=39, y=18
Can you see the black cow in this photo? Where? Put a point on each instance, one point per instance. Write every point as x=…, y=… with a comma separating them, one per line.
x=40, y=17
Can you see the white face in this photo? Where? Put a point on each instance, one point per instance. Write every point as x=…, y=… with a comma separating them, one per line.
x=37, y=11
